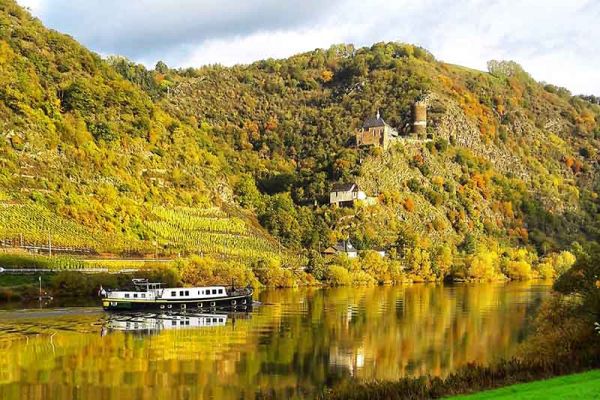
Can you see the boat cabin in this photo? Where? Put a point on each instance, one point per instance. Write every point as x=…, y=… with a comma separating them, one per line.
x=208, y=292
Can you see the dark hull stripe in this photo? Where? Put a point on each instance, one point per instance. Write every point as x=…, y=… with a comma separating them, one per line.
x=172, y=301
x=141, y=304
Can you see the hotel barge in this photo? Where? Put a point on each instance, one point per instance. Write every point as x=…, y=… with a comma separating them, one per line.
x=152, y=296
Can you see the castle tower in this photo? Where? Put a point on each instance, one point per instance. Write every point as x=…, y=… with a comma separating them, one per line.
x=419, y=126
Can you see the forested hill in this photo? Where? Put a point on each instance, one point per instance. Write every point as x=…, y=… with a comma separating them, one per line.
x=510, y=172
x=87, y=158
x=508, y=175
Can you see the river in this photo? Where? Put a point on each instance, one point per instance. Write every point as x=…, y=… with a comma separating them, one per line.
x=294, y=344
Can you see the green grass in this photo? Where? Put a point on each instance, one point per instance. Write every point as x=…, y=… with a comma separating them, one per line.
x=578, y=386
x=25, y=260
x=7, y=280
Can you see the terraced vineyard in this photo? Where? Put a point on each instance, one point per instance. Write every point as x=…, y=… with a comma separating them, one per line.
x=207, y=232
x=33, y=225
x=179, y=231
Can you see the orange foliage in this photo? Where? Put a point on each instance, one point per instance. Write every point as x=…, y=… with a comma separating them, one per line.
x=252, y=128
x=475, y=110
x=418, y=159
x=479, y=181
x=568, y=161
x=409, y=204
x=271, y=124
x=574, y=164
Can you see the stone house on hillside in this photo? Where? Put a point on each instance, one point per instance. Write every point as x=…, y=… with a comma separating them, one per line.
x=375, y=132
x=345, y=194
x=344, y=247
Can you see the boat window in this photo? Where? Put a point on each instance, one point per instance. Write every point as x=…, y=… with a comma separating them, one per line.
x=181, y=292
x=126, y=295
x=143, y=295
x=220, y=291
x=214, y=291
x=187, y=292
x=135, y=295
x=173, y=293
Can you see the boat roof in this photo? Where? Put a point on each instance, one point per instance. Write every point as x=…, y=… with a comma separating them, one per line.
x=175, y=288
x=196, y=287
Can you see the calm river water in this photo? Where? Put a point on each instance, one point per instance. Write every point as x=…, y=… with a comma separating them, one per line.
x=293, y=345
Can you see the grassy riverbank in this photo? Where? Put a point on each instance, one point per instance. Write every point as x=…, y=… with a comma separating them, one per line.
x=577, y=386
x=466, y=380
x=20, y=287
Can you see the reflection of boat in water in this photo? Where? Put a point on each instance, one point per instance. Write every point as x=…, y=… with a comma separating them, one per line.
x=148, y=296
x=151, y=322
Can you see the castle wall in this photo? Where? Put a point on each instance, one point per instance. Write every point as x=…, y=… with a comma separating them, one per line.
x=370, y=137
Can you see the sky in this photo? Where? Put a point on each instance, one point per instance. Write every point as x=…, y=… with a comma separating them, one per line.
x=556, y=41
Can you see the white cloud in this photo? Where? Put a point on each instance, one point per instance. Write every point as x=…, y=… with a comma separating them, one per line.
x=246, y=49
x=34, y=5
x=555, y=40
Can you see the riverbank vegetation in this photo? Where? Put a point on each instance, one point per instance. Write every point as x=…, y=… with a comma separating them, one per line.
x=565, y=340
x=370, y=268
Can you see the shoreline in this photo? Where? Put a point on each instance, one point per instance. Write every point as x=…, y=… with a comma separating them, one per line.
x=467, y=382
x=26, y=287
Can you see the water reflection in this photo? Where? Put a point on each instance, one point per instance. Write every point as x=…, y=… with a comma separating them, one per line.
x=151, y=323
x=296, y=343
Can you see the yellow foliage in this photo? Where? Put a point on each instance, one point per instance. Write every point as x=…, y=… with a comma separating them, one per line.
x=563, y=261
x=443, y=260
x=437, y=180
x=327, y=75
x=417, y=260
x=271, y=274
x=519, y=270
x=362, y=278
x=207, y=271
x=338, y=276
x=376, y=266
x=546, y=270
x=483, y=265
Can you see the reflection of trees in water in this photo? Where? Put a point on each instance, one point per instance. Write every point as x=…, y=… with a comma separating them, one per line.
x=299, y=341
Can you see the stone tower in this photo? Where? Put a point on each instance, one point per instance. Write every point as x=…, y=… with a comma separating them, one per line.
x=419, y=126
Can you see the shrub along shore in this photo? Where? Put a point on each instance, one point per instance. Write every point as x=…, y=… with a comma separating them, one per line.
x=370, y=268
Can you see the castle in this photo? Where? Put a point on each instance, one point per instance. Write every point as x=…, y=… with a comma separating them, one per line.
x=377, y=133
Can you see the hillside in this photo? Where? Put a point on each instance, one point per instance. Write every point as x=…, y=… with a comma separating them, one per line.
x=109, y=156
x=508, y=177
x=88, y=161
